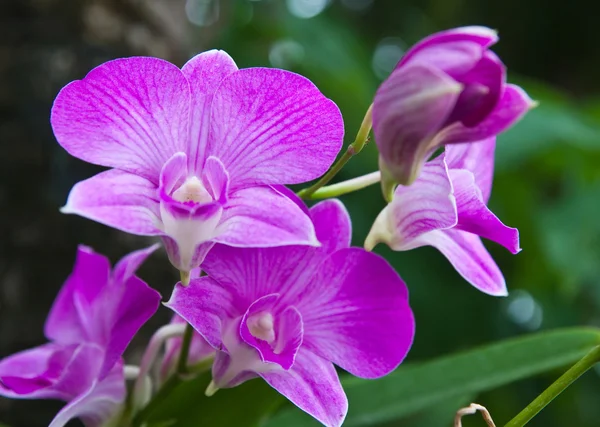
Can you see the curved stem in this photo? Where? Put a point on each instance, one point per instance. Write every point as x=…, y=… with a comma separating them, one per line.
x=556, y=388
x=140, y=391
x=345, y=187
x=353, y=149
x=185, y=349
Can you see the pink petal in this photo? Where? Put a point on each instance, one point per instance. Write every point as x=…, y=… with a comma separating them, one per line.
x=476, y=157
x=332, y=225
x=204, y=72
x=292, y=196
x=252, y=273
x=483, y=86
x=271, y=126
x=133, y=303
x=173, y=173
x=409, y=109
x=81, y=371
x=130, y=113
x=89, y=277
x=31, y=374
x=263, y=217
x=481, y=37
x=313, y=385
x=205, y=304
x=97, y=404
x=216, y=179
x=118, y=199
x=356, y=314
x=96, y=307
x=475, y=217
x=469, y=257
x=428, y=204
x=511, y=107
x=126, y=267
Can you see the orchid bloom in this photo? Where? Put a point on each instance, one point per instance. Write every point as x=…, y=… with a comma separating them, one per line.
x=199, y=154
x=93, y=319
x=449, y=88
x=446, y=208
x=289, y=314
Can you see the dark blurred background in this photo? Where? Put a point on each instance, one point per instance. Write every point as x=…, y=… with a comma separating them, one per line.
x=547, y=176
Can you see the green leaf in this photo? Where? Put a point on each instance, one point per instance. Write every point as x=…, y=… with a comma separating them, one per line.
x=187, y=406
x=416, y=387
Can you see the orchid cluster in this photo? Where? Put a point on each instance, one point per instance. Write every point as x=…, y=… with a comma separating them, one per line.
x=201, y=156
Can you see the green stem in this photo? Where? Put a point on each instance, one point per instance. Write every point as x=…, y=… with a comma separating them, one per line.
x=556, y=388
x=353, y=149
x=185, y=349
x=345, y=187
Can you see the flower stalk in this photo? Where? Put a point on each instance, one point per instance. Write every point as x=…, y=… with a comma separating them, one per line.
x=345, y=187
x=565, y=380
x=182, y=367
x=353, y=149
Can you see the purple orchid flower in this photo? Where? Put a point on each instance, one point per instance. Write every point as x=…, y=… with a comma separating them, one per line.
x=446, y=208
x=197, y=152
x=289, y=314
x=449, y=88
x=93, y=319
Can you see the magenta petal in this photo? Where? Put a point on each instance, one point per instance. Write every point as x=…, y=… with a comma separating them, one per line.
x=129, y=264
x=130, y=113
x=204, y=304
x=216, y=179
x=251, y=273
x=470, y=258
x=118, y=199
x=96, y=307
x=428, y=204
x=481, y=37
x=98, y=404
x=484, y=84
x=173, y=173
x=204, y=72
x=285, y=191
x=30, y=374
x=475, y=217
x=409, y=109
x=313, y=385
x=332, y=225
x=89, y=277
x=133, y=302
x=511, y=107
x=359, y=316
x=476, y=157
x=271, y=126
x=263, y=217
x=50, y=372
